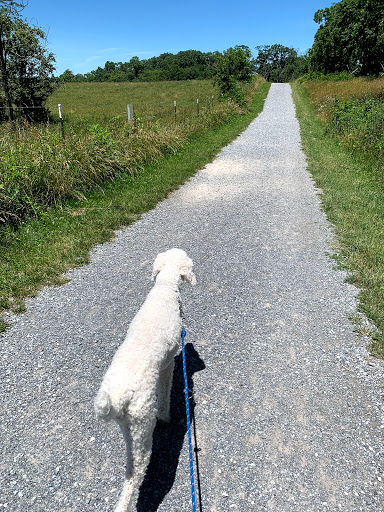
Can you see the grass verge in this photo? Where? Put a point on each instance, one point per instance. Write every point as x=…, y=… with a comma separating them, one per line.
x=39, y=251
x=352, y=187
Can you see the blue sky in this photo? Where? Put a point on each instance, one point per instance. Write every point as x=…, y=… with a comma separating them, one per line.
x=85, y=34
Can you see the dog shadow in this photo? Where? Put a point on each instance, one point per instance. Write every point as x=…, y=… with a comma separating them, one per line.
x=168, y=438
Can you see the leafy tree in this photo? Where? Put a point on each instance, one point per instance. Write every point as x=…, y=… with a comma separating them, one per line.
x=135, y=67
x=350, y=38
x=7, y=10
x=152, y=75
x=234, y=69
x=69, y=76
x=26, y=67
x=30, y=69
x=278, y=63
x=109, y=66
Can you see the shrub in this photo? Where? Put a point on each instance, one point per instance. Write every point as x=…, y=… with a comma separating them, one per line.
x=359, y=121
x=234, y=70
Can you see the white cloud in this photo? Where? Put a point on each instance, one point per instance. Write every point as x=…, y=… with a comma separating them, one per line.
x=92, y=58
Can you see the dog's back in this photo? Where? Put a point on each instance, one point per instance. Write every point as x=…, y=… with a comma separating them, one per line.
x=150, y=344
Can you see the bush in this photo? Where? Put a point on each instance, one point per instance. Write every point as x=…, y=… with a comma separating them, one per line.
x=234, y=70
x=359, y=121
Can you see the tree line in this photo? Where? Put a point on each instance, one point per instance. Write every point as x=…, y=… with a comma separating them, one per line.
x=185, y=65
x=350, y=38
x=276, y=63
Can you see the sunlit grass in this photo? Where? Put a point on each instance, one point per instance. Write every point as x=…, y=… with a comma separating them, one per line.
x=39, y=168
x=352, y=187
x=323, y=93
x=96, y=102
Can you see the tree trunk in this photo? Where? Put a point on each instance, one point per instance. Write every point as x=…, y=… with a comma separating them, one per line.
x=4, y=78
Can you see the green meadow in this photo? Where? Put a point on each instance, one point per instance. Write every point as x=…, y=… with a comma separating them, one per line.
x=97, y=102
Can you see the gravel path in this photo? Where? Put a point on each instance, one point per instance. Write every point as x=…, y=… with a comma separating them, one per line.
x=288, y=403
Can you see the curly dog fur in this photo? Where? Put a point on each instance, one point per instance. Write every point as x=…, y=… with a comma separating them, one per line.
x=137, y=386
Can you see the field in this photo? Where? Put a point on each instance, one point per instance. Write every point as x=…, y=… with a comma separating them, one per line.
x=342, y=128
x=98, y=102
x=323, y=91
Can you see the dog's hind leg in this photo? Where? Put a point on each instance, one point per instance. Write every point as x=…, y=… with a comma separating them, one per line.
x=138, y=434
x=164, y=392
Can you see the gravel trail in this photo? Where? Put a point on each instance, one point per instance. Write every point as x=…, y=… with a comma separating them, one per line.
x=289, y=410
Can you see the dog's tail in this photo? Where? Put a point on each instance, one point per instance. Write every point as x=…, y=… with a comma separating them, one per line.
x=108, y=409
x=103, y=406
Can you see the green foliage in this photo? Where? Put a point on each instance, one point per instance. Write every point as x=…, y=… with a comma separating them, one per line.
x=185, y=65
x=278, y=63
x=30, y=69
x=360, y=122
x=350, y=38
x=69, y=76
x=234, y=70
x=26, y=67
x=103, y=137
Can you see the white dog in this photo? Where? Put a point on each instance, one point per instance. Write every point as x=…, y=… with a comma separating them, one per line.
x=136, y=388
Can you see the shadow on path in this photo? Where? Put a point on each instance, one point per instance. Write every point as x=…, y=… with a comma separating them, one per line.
x=168, y=439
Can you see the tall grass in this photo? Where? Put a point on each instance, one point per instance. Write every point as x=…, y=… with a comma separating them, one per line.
x=351, y=176
x=352, y=110
x=360, y=122
x=324, y=93
x=39, y=169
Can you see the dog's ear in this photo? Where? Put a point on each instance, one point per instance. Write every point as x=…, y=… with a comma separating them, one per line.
x=158, y=264
x=186, y=272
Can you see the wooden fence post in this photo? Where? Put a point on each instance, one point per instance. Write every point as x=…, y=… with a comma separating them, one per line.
x=61, y=120
x=131, y=114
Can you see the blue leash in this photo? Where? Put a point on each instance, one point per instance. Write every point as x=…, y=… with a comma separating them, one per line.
x=186, y=393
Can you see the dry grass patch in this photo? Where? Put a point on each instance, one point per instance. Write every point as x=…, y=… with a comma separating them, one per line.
x=323, y=92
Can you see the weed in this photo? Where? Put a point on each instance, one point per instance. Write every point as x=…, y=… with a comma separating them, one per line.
x=360, y=122
x=3, y=325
